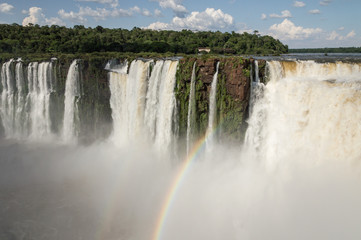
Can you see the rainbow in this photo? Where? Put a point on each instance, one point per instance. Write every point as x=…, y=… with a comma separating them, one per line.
x=177, y=182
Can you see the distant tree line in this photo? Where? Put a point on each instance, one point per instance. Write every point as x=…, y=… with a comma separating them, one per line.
x=327, y=50
x=79, y=39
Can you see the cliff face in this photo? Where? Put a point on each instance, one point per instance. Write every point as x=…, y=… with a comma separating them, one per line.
x=232, y=94
x=95, y=120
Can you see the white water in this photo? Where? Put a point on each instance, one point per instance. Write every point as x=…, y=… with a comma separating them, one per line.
x=310, y=110
x=212, y=109
x=20, y=114
x=8, y=98
x=25, y=105
x=141, y=106
x=39, y=98
x=167, y=102
x=153, y=97
x=72, y=95
x=191, y=110
x=118, y=87
x=128, y=97
x=256, y=97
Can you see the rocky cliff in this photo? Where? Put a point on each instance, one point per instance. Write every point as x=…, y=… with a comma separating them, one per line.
x=232, y=94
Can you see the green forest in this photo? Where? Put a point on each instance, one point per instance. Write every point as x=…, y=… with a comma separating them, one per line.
x=17, y=39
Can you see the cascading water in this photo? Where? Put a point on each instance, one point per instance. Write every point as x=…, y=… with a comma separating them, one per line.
x=151, y=109
x=308, y=109
x=20, y=114
x=256, y=96
x=118, y=85
x=72, y=95
x=128, y=97
x=25, y=110
x=165, y=108
x=135, y=98
x=138, y=109
x=39, y=96
x=191, y=109
x=212, y=109
x=8, y=98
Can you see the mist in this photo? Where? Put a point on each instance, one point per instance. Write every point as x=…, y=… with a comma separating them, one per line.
x=55, y=191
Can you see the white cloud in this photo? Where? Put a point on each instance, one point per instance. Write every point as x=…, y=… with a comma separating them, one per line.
x=314, y=11
x=351, y=34
x=333, y=36
x=158, y=13
x=243, y=28
x=263, y=16
x=325, y=2
x=72, y=16
x=6, y=8
x=36, y=16
x=135, y=9
x=146, y=13
x=178, y=9
x=284, y=14
x=24, y=12
x=159, y=26
x=112, y=3
x=210, y=19
x=54, y=21
x=341, y=28
x=336, y=36
x=98, y=14
x=287, y=30
x=298, y=4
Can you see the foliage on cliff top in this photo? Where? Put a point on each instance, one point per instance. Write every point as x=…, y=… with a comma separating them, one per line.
x=55, y=39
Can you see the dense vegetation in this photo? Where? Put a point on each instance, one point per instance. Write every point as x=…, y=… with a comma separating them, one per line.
x=327, y=50
x=16, y=39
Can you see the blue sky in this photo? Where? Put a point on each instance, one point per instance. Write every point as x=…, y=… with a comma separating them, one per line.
x=304, y=23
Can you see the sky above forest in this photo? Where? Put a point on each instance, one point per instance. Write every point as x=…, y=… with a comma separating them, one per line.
x=300, y=24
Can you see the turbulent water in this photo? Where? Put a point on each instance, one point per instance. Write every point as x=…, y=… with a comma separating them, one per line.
x=212, y=109
x=143, y=102
x=72, y=94
x=191, y=110
x=25, y=99
x=297, y=176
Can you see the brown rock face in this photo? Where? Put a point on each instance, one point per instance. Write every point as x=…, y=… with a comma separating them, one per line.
x=207, y=68
x=237, y=81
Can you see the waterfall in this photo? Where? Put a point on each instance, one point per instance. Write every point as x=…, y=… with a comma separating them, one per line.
x=8, y=98
x=166, y=106
x=308, y=109
x=72, y=95
x=128, y=96
x=212, y=108
x=25, y=99
x=191, y=110
x=20, y=112
x=151, y=109
x=143, y=107
x=256, y=96
x=39, y=96
x=118, y=85
x=135, y=98
x=256, y=71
